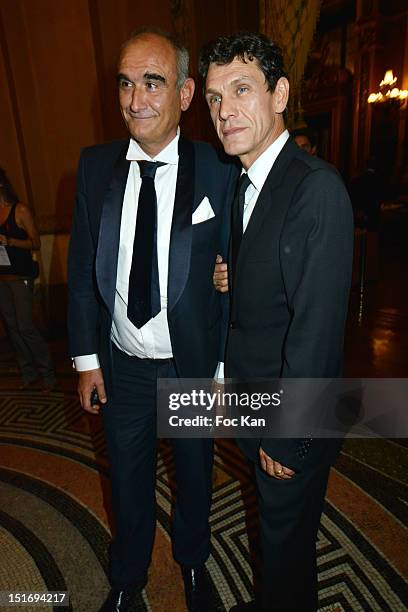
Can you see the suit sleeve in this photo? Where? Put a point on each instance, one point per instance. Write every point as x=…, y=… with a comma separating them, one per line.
x=83, y=306
x=316, y=253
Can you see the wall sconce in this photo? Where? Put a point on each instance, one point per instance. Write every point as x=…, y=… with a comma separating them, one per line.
x=387, y=92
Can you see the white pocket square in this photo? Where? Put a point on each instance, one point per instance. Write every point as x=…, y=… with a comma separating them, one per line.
x=203, y=212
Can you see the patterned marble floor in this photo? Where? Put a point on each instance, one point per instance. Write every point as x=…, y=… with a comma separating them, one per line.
x=54, y=492
x=54, y=523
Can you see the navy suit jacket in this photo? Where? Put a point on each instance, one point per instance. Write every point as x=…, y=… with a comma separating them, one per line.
x=197, y=314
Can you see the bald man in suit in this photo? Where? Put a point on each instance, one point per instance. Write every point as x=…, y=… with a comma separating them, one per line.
x=152, y=213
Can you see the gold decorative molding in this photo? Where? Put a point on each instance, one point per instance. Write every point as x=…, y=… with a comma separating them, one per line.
x=291, y=24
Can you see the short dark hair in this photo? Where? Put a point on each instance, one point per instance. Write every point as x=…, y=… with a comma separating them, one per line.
x=7, y=193
x=307, y=133
x=247, y=46
x=181, y=51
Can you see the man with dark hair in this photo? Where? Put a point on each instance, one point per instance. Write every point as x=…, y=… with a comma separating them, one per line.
x=289, y=270
x=305, y=138
x=150, y=216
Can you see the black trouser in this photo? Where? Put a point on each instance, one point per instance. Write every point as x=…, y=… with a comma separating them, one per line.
x=130, y=428
x=290, y=512
x=16, y=306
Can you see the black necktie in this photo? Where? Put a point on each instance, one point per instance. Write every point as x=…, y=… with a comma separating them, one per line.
x=238, y=220
x=144, y=288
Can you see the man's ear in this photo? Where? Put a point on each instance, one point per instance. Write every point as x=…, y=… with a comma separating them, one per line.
x=187, y=93
x=281, y=94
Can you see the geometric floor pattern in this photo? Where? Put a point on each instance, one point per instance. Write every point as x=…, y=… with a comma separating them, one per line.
x=54, y=516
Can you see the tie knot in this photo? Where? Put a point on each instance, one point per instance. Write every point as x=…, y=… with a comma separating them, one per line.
x=243, y=184
x=148, y=169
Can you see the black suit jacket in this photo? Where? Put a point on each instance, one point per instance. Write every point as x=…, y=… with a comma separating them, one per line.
x=196, y=312
x=291, y=288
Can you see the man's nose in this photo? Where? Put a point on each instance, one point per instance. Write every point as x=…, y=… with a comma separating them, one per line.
x=226, y=108
x=138, y=101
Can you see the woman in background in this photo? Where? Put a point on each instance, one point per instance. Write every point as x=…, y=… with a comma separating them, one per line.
x=18, y=237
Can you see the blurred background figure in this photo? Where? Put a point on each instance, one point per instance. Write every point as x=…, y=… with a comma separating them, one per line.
x=18, y=238
x=306, y=140
x=367, y=191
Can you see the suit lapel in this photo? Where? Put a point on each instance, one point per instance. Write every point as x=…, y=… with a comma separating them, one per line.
x=265, y=204
x=181, y=230
x=109, y=231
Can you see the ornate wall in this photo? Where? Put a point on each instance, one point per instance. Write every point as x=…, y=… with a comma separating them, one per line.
x=57, y=90
x=382, y=44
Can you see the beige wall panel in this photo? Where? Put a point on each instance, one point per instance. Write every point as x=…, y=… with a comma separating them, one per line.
x=112, y=22
x=10, y=152
x=52, y=60
x=54, y=252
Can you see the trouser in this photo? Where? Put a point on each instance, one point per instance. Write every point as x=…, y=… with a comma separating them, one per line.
x=16, y=307
x=290, y=512
x=130, y=427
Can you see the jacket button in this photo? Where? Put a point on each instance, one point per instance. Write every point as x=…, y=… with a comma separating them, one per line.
x=233, y=325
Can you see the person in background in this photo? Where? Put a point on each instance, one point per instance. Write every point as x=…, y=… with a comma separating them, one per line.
x=367, y=191
x=306, y=140
x=18, y=238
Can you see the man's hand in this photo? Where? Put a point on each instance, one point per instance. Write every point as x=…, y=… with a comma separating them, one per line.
x=220, y=276
x=274, y=468
x=88, y=381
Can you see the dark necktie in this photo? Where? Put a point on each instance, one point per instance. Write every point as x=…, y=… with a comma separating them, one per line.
x=144, y=288
x=238, y=220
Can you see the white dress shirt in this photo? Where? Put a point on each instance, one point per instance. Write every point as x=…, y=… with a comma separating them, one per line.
x=258, y=174
x=153, y=339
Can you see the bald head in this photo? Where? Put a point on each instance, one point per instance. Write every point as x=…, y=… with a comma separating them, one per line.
x=181, y=53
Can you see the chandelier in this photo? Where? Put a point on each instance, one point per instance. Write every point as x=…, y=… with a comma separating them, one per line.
x=388, y=92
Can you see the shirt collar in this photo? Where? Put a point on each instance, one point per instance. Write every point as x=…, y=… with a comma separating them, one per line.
x=261, y=167
x=169, y=155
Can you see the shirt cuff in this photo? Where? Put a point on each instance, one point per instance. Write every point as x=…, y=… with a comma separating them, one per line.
x=219, y=373
x=82, y=363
